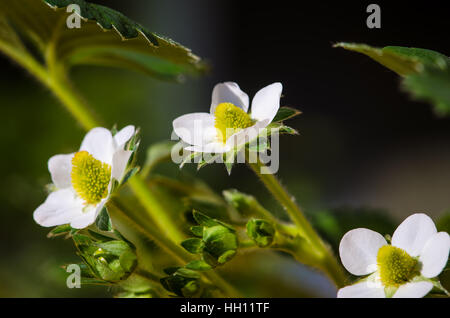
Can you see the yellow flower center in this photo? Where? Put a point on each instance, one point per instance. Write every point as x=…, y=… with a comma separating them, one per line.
x=232, y=118
x=396, y=266
x=90, y=177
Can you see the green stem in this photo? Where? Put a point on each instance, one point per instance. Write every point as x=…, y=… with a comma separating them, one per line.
x=323, y=255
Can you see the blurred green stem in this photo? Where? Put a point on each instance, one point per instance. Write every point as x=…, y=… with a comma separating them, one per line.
x=323, y=256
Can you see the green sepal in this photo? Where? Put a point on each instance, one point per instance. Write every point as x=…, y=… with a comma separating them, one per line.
x=285, y=113
x=198, y=265
x=60, y=230
x=103, y=221
x=193, y=245
x=197, y=230
x=262, y=232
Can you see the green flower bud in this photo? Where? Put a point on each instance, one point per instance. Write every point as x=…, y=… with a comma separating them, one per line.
x=261, y=232
x=111, y=261
x=182, y=282
x=242, y=202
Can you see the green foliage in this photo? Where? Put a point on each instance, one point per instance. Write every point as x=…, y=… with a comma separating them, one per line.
x=107, y=259
x=182, y=282
x=262, y=232
x=426, y=73
x=106, y=37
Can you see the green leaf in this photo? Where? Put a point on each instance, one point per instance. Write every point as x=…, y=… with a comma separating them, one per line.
x=198, y=265
x=193, y=245
x=106, y=37
x=285, y=113
x=432, y=85
x=114, y=247
x=103, y=221
x=402, y=60
x=426, y=73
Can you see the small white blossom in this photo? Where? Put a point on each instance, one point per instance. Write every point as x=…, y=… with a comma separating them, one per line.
x=83, y=180
x=228, y=125
x=402, y=270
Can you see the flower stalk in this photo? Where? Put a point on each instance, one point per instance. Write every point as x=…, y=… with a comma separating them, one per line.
x=321, y=256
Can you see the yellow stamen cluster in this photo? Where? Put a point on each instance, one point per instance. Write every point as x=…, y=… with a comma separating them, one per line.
x=395, y=265
x=231, y=117
x=90, y=177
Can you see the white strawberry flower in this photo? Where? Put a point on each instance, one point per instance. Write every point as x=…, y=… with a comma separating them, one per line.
x=228, y=124
x=83, y=180
x=404, y=269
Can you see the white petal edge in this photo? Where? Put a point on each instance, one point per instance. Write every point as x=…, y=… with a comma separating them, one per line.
x=358, y=250
x=412, y=234
x=246, y=135
x=361, y=290
x=119, y=164
x=99, y=143
x=60, y=168
x=266, y=102
x=229, y=92
x=88, y=216
x=122, y=136
x=196, y=128
x=413, y=290
x=434, y=255
x=60, y=207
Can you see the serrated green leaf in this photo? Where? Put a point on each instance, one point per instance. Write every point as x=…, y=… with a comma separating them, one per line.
x=432, y=85
x=103, y=221
x=193, y=245
x=198, y=265
x=106, y=37
x=285, y=113
x=402, y=60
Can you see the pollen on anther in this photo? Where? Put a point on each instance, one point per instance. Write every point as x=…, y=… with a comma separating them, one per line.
x=90, y=177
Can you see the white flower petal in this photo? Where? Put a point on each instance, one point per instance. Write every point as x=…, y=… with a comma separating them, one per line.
x=213, y=147
x=358, y=250
x=122, y=136
x=119, y=164
x=413, y=233
x=362, y=290
x=266, y=102
x=99, y=143
x=196, y=129
x=88, y=216
x=246, y=135
x=59, y=208
x=434, y=255
x=60, y=167
x=413, y=290
x=229, y=92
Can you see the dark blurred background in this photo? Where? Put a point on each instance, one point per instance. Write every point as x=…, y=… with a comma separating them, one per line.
x=363, y=142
